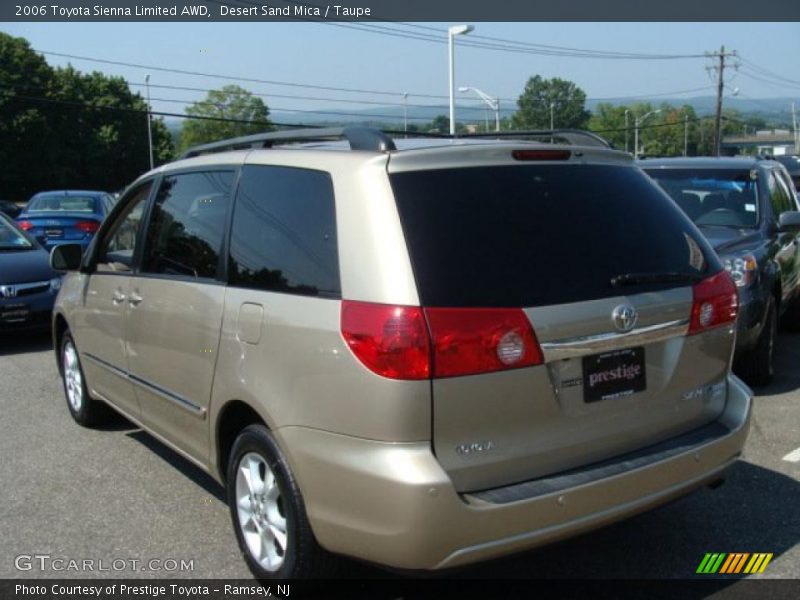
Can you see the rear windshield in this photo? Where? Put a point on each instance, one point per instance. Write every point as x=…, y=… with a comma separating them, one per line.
x=535, y=235
x=723, y=197
x=62, y=203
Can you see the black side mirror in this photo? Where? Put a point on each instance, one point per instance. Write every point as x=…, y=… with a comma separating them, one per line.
x=66, y=257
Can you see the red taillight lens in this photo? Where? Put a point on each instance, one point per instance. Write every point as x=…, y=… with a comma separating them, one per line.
x=25, y=225
x=481, y=340
x=541, y=154
x=391, y=341
x=716, y=303
x=87, y=226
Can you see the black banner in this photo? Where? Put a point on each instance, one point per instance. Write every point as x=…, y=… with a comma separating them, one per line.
x=375, y=11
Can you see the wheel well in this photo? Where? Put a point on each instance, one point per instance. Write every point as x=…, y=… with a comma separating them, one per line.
x=59, y=327
x=235, y=416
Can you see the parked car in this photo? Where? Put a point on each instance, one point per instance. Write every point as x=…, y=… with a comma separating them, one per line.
x=28, y=286
x=420, y=357
x=9, y=208
x=68, y=216
x=792, y=164
x=747, y=209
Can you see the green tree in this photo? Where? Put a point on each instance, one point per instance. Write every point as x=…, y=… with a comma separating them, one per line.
x=23, y=124
x=248, y=115
x=441, y=124
x=609, y=122
x=567, y=99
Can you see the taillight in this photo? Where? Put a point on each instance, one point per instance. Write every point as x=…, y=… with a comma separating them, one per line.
x=87, y=226
x=480, y=340
x=715, y=303
x=25, y=225
x=391, y=341
x=544, y=154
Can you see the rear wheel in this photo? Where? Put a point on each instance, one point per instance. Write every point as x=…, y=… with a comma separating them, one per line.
x=756, y=367
x=268, y=511
x=84, y=410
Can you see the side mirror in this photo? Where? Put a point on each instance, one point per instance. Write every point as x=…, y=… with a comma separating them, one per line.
x=789, y=222
x=66, y=257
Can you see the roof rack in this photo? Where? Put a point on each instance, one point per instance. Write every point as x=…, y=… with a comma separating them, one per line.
x=360, y=138
x=576, y=137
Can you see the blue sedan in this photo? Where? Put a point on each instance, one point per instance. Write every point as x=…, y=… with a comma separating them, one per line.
x=28, y=286
x=68, y=216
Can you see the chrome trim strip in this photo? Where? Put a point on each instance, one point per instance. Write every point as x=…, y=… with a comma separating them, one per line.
x=197, y=411
x=592, y=344
x=21, y=287
x=106, y=365
x=194, y=409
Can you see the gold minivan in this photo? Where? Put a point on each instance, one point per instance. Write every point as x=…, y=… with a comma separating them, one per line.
x=420, y=353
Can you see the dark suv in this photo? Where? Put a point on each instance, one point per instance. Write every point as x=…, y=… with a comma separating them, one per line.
x=747, y=209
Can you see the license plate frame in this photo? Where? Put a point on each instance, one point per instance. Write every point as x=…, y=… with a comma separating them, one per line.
x=614, y=374
x=15, y=313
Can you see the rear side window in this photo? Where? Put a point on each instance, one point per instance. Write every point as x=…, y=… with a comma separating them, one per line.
x=519, y=236
x=779, y=195
x=188, y=224
x=283, y=237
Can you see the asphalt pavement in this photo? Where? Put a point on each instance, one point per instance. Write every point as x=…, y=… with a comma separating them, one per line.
x=116, y=494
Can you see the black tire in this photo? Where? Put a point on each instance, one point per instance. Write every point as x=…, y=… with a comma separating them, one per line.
x=756, y=366
x=302, y=557
x=84, y=410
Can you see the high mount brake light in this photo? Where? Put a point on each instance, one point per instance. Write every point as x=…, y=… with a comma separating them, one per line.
x=542, y=154
x=407, y=342
x=715, y=303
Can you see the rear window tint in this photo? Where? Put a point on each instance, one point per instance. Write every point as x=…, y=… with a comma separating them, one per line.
x=536, y=235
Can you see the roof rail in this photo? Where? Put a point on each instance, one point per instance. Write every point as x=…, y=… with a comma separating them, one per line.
x=575, y=137
x=360, y=138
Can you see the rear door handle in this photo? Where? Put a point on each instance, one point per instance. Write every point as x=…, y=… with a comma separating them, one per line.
x=118, y=297
x=135, y=299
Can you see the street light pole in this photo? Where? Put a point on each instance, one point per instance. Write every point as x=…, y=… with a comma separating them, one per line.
x=451, y=33
x=685, y=134
x=638, y=121
x=626, y=129
x=493, y=103
x=405, y=112
x=552, y=121
x=149, y=126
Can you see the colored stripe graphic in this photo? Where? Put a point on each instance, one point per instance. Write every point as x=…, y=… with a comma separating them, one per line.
x=733, y=563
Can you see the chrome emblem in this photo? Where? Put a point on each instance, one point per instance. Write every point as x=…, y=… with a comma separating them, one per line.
x=624, y=317
x=8, y=291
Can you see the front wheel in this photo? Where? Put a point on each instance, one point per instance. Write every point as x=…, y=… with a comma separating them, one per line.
x=756, y=367
x=84, y=410
x=268, y=511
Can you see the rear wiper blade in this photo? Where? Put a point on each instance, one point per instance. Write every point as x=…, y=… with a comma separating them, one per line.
x=658, y=277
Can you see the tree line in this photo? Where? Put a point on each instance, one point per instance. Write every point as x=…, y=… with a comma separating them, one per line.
x=62, y=128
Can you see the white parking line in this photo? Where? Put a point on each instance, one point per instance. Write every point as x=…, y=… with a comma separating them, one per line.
x=793, y=456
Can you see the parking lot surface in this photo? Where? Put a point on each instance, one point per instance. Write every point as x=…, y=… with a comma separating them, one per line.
x=118, y=494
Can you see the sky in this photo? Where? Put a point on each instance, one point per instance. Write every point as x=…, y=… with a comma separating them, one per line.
x=338, y=55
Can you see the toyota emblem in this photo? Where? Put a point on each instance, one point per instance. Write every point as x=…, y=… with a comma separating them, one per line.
x=624, y=317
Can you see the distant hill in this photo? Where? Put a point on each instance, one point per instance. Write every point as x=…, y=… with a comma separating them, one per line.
x=767, y=108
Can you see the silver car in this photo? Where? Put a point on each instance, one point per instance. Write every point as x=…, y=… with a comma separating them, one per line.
x=421, y=356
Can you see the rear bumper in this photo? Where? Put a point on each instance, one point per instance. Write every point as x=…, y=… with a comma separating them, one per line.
x=391, y=503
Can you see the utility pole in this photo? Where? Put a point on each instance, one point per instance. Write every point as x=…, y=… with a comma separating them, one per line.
x=405, y=112
x=685, y=134
x=720, y=68
x=626, y=129
x=794, y=126
x=149, y=119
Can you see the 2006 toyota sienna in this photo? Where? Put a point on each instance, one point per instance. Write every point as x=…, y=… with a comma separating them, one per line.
x=420, y=357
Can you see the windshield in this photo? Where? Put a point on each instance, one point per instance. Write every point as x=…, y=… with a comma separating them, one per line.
x=11, y=238
x=723, y=197
x=62, y=203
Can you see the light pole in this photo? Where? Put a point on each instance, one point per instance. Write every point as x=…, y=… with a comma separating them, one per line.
x=405, y=112
x=685, y=134
x=638, y=122
x=493, y=103
x=552, y=121
x=149, y=127
x=451, y=33
x=627, y=129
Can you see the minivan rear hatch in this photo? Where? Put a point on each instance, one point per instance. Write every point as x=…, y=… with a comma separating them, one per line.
x=605, y=268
